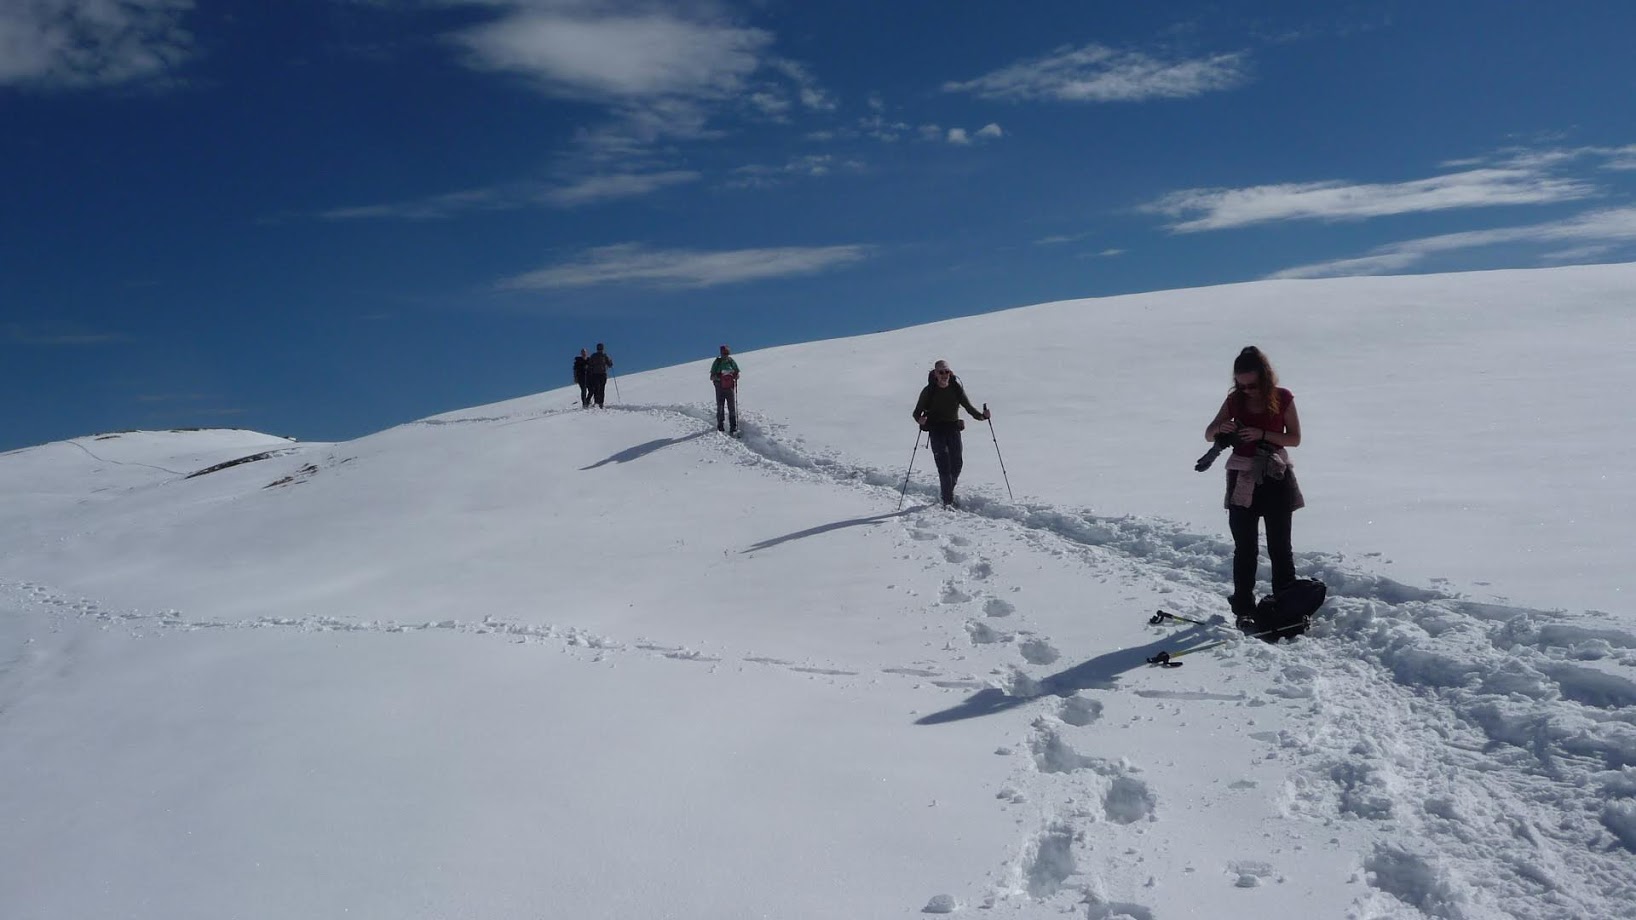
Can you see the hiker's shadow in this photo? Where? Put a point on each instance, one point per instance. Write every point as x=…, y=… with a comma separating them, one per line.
x=1099, y=673
x=642, y=450
x=826, y=528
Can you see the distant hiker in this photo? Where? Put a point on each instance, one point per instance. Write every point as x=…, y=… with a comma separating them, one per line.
x=724, y=374
x=937, y=412
x=579, y=378
x=596, y=373
x=1260, y=479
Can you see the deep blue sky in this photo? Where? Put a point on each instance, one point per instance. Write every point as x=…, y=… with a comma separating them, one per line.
x=323, y=217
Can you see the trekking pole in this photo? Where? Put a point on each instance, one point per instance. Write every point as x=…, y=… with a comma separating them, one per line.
x=1159, y=618
x=617, y=397
x=912, y=453
x=1167, y=659
x=998, y=454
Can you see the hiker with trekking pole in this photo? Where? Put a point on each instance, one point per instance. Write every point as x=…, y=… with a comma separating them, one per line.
x=937, y=412
x=724, y=374
x=597, y=367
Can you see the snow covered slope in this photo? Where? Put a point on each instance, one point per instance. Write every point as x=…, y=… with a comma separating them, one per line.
x=532, y=661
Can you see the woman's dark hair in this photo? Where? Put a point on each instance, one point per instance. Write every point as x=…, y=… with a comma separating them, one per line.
x=1251, y=361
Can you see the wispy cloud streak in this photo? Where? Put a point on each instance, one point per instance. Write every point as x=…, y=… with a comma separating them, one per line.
x=633, y=263
x=579, y=192
x=1220, y=209
x=1588, y=234
x=1097, y=73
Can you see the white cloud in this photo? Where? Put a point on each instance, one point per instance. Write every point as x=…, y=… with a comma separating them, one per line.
x=1621, y=158
x=83, y=43
x=1345, y=268
x=812, y=95
x=1580, y=253
x=591, y=189
x=590, y=52
x=1596, y=229
x=660, y=70
x=770, y=104
x=1218, y=209
x=1541, y=158
x=960, y=137
x=633, y=263
x=813, y=165
x=580, y=191
x=1097, y=73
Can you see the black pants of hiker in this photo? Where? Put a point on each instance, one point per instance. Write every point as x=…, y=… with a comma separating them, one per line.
x=584, y=392
x=727, y=400
x=598, y=385
x=948, y=452
x=1272, y=505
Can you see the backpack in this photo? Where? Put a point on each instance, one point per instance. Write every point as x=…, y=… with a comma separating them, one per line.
x=1288, y=612
x=727, y=380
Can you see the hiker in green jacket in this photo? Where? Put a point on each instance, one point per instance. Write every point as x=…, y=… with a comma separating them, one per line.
x=724, y=374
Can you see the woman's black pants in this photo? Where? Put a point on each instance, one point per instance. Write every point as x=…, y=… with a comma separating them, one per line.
x=1271, y=504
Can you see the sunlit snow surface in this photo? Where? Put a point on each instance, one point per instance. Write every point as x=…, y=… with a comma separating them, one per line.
x=532, y=661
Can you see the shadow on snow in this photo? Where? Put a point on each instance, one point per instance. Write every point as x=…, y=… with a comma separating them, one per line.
x=642, y=450
x=837, y=525
x=1099, y=673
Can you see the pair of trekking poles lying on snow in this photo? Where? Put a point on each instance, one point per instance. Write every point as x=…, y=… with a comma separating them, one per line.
x=1283, y=614
x=905, y=490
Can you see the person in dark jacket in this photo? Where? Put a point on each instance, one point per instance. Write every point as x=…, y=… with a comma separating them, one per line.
x=937, y=412
x=724, y=374
x=596, y=373
x=579, y=378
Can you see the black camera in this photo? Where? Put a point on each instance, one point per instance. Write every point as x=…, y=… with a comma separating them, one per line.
x=1224, y=440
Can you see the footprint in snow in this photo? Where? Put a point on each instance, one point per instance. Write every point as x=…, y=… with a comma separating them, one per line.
x=1127, y=798
x=953, y=595
x=1118, y=910
x=1079, y=710
x=983, y=634
x=1249, y=873
x=953, y=555
x=1038, y=651
x=996, y=607
x=1049, y=861
x=981, y=571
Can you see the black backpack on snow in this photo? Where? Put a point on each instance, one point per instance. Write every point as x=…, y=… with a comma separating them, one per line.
x=1288, y=612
